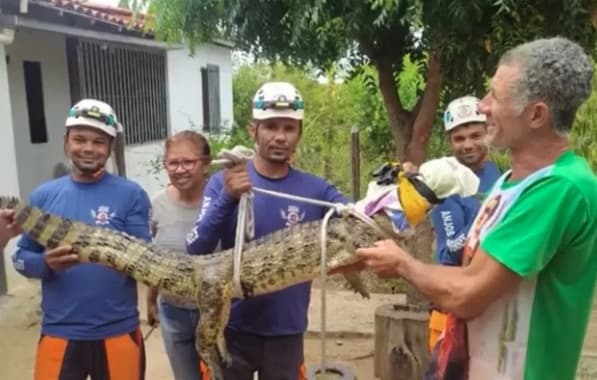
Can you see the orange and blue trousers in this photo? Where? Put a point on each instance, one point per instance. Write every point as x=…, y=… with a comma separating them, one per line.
x=120, y=357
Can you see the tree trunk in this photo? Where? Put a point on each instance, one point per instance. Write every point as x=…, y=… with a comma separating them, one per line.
x=424, y=112
x=401, y=342
x=401, y=333
x=398, y=117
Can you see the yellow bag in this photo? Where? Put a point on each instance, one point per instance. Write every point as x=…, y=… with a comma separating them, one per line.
x=414, y=204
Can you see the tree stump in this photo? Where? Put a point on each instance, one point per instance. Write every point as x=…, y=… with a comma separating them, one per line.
x=401, y=342
x=402, y=332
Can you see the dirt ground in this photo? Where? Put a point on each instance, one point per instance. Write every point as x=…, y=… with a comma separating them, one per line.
x=19, y=328
x=349, y=329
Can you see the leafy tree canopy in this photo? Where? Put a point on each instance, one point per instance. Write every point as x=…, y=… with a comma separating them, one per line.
x=457, y=42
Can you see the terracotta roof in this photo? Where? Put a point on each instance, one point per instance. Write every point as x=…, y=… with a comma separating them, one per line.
x=114, y=15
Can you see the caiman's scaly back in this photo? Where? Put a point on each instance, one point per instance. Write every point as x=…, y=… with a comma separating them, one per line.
x=142, y=261
x=273, y=262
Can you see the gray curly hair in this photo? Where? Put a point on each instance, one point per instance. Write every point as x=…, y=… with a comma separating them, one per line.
x=555, y=71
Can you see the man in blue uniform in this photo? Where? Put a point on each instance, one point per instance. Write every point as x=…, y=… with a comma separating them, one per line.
x=265, y=333
x=90, y=324
x=451, y=219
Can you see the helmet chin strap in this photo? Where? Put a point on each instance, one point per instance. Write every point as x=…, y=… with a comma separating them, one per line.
x=95, y=175
x=98, y=173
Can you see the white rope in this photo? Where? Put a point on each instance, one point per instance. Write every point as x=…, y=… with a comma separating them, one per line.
x=323, y=236
x=245, y=228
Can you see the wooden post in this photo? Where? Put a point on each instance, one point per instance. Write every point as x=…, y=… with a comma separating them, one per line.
x=402, y=332
x=401, y=336
x=355, y=161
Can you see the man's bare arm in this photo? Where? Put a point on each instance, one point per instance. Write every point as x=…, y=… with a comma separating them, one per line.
x=465, y=291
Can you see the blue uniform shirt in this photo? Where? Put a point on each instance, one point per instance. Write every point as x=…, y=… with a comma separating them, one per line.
x=283, y=312
x=87, y=301
x=453, y=217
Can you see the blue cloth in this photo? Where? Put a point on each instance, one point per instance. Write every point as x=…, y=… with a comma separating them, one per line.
x=453, y=217
x=178, y=332
x=87, y=301
x=283, y=312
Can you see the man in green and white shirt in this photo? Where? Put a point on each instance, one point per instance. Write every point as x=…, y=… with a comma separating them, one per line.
x=520, y=303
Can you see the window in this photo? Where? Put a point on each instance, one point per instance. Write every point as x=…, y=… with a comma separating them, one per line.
x=210, y=85
x=131, y=80
x=35, y=102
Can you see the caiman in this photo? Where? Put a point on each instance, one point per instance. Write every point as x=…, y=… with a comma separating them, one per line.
x=270, y=263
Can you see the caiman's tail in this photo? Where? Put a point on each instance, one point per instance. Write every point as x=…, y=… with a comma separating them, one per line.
x=142, y=261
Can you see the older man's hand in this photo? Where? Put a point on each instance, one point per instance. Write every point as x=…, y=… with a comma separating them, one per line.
x=8, y=228
x=384, y=257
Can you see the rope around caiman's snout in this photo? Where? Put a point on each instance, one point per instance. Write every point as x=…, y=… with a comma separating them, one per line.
x=245, y=227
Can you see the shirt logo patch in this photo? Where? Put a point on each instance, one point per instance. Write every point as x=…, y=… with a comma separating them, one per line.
x=293, y=215
x=102, y=216
x=192, y=236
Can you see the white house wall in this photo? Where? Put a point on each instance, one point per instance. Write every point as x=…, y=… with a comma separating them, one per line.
x=8, y=164
x=36, y=162
x=141, y=163
x=184, y=79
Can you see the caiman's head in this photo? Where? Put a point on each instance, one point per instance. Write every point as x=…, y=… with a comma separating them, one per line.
x=399, y=200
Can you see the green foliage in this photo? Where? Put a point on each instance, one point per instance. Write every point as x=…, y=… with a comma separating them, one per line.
x=371, y=36
x=501, y=159
x=469, y=35
x=466, y=36
x=584, y=131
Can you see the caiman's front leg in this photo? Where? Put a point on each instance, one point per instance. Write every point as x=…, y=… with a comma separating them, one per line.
x=355, y=283
x=214, y=309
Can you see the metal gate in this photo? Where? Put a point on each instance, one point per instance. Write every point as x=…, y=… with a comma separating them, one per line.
x=132, y=80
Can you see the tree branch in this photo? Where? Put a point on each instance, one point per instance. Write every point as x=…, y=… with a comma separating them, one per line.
x=424, y=112
x=397, y=115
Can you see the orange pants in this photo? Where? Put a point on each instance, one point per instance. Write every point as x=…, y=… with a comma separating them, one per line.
x=437, y=322
x=117, y=358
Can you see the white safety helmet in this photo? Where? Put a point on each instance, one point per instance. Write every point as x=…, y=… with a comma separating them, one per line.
x=278, y=99
x=96, y=114
x=462, y=111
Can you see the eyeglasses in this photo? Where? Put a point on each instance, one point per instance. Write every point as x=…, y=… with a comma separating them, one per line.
x=173, y=165
x=96, y=114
